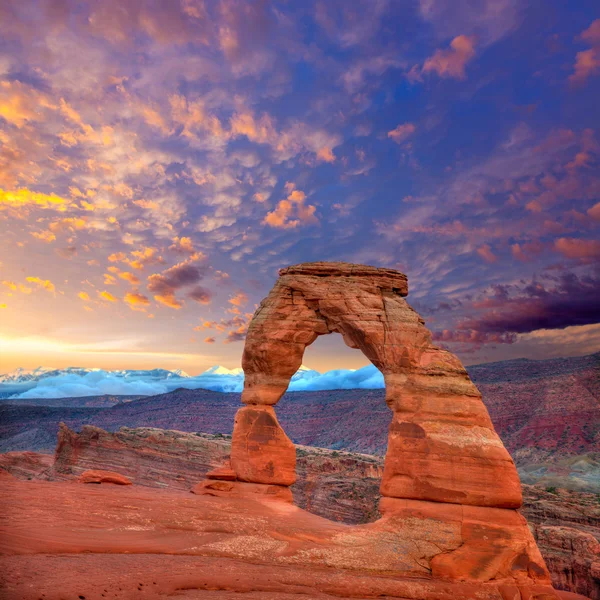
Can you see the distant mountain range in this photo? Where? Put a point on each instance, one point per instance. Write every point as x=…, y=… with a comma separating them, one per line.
x=546, y=412
x=72, y=382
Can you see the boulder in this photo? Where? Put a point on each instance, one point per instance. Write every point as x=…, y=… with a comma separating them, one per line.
x=104, y=477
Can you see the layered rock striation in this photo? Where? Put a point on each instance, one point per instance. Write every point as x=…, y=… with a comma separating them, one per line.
x=446, y=470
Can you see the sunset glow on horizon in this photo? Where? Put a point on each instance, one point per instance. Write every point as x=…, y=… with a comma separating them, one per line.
x=160, y=161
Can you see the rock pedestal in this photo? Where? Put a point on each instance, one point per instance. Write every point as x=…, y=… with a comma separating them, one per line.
x=445, y=468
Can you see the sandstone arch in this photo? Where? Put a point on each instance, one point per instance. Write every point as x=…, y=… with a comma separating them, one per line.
x=449, y=487
x=441, y=443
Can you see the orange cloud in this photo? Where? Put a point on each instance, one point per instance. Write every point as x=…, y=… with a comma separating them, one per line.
x=452, y=62
x=84, y=296
x=261, y=131
x=240, y=299
x=142, y=258
x=109, y=279
x=45, y=236
x=107, y=296
x=209, y=340
x=139, y=258
x=326, y=155
x=486, y=253
x=24, y=197
x=182, y=245
x=68, y=224
x=576, y=248
x=292, y=211
x=127, y=276
x=135, y=300
x=587, y=63
x=594, y=212
x=13, y=287
x=20, y=103
x=42, y=283
x=193, y=117
x=400, y=133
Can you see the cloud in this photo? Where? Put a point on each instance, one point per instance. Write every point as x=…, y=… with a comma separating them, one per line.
x=578, y=248
x=130, y=277
x=594, y=212
x=44, y=236
x=164, y=285
x=452, y=62
x=209, y=340
x=107, y=296
x=138, y=259
x=486, y=20
x=200, y=294
x=570, y=300
x=401, y=132
x=135, y=300
x=240, y=299
x=21, y=104
x=84, y=296
x=486, y=253
x=292, y=212
x=160, y=381
x=587, y=62
x=24, y=197
x=45, y=284
x=182, y=245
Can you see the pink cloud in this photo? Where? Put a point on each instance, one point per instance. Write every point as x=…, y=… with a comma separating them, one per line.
x=452, y=62
x=401, y=132
x=587, y=62
x=486, y=253
x=576, y=248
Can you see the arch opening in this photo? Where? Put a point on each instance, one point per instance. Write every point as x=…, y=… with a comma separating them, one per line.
x=441, y=443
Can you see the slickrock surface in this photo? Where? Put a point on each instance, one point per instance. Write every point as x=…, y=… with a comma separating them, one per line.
x=339, y=486
x=172, y=543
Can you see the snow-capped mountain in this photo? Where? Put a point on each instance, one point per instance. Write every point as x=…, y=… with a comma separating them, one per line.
x=45, y=382
x=219, y=370
x=21, y=375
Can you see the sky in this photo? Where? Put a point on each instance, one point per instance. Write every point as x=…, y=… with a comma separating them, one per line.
x=160, y=160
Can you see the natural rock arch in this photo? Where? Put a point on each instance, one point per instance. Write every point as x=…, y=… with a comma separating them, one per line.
x=449, y=487
x=441, y=443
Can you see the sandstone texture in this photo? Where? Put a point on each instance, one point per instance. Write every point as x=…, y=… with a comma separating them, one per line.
x=441, y=443
x=448, y=485
x=340, y=486
x=147, y=456
x=137, y=542
x=99, y=476
x=261, y=452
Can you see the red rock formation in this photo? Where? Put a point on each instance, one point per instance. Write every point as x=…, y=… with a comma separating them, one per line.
x=261, y=452
x=170, y=543
x=339, y=486
x=445, y=469
x=441, y=444
x=148, y=456
x=99, y=476
x=26, y=465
